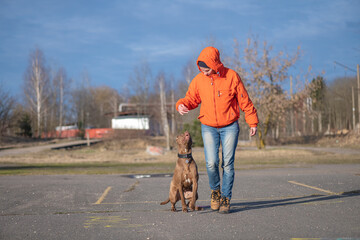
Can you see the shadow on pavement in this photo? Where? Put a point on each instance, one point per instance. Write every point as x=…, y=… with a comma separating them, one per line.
x=237, y=207
x=246, y=206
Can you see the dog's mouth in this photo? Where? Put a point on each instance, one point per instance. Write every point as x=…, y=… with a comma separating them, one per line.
x=184, y=139
x=186, y=135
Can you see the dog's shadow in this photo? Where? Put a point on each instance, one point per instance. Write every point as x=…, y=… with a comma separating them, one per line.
x=201, y=208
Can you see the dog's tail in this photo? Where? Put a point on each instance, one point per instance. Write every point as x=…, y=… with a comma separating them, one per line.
x=165, y=202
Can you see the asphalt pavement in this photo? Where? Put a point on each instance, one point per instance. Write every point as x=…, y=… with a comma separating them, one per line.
x=320, y=201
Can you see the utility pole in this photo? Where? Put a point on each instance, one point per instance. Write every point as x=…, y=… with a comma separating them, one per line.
x=358, y=88
x=353, y=107
x=358, y=91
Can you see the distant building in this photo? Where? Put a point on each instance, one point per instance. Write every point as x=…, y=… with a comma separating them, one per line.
x=68, y=127
x=137, y=122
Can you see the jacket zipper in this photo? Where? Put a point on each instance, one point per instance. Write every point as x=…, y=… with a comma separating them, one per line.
x=214, y=94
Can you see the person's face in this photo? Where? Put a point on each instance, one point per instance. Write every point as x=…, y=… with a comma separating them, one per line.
x=206, y=71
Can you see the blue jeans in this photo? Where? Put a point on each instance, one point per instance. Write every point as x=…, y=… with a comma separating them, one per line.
x=228, y=137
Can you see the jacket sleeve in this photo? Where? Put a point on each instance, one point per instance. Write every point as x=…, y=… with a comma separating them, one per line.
x=246, y=104
x=192, y=98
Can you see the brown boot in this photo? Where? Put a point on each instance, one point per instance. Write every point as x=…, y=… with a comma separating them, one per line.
x=215, y=199
x=224, y=205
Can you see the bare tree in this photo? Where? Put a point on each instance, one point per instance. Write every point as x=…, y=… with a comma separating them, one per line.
x=36, y=86
x=164, y=119
x=317, y=89
x=106, y=102
x=83, y=103
x=140, y=84
x=263, y=74
x=190, y=70
x=339, y=103
x=62, y=89
x=114, y=101
x=173, y=108
x=7, y=104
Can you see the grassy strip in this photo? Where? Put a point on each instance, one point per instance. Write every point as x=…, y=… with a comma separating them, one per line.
x=85, y=168
x=291, y=156
x=147, y=168
x=245, y=159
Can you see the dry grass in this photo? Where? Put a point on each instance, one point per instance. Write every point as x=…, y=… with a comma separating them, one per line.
x=130, y=156
x=293, y=157
x=136, y=153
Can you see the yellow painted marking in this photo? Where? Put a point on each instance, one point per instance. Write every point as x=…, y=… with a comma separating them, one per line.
x=138, y=202
x=312, y=187
x=305, y=238
x=103, y=196
x=109, y=222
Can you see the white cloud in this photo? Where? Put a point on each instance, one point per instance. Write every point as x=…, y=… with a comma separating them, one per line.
x=158, y=49
x=322, y=20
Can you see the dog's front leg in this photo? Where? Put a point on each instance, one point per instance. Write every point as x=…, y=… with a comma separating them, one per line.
x=193, y=198
x=181, y=191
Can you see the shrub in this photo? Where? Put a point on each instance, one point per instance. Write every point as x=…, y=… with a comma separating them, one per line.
x=195, y=131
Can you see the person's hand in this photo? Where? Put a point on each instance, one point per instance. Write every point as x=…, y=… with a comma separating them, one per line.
x=253, y=131
x=182, y=109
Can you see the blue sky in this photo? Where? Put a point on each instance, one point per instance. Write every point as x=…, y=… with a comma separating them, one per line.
x=109, y=38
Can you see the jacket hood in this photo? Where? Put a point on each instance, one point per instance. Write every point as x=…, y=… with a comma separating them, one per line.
x=211, y=57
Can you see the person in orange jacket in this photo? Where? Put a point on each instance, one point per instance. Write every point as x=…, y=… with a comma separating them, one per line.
x=221, y=94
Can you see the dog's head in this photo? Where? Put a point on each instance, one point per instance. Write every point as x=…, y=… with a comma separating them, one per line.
x=184, y=141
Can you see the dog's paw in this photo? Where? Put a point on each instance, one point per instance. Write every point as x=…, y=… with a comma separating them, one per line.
x=185, y=210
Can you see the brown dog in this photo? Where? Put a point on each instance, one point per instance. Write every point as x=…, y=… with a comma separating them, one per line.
x=184, y=183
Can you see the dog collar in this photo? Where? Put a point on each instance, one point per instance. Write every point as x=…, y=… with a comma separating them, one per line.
x=189, y=155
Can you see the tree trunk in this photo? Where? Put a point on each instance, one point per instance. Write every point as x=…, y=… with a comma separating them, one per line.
x=164, y=119
x=320, y=122
x=312, y=125
x=173, y=125
x=261, y=142
x=61, y=104
x=292, y=130
x=304, y=122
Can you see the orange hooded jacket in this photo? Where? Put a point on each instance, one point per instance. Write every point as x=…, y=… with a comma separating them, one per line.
x=220, y=94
